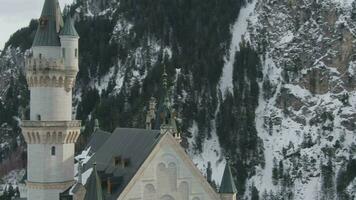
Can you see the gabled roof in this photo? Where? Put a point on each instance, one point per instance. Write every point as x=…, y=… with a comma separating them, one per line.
x=69, y=29
x=227, y=183
x=97, y=139
x=50, y=23
x=126, y=143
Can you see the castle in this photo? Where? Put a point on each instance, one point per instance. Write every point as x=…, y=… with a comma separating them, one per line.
x=146, y=164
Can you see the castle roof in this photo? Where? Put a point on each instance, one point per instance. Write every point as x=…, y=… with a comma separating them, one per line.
x=50, y=23
x=127, y=144
x=227, y=183
x=69, y=29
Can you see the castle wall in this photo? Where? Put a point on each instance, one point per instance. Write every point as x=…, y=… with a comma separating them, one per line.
x=52, y=104
x=45, y=167
x=169, y=177
x=47, y=52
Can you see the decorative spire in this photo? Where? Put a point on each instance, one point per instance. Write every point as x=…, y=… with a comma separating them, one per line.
x=50, y=23
x=167, y=114
x=227, y=185
x=165, y=79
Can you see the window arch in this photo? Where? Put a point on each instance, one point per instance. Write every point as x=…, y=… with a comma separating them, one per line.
x=149, y=192
x=53, y=151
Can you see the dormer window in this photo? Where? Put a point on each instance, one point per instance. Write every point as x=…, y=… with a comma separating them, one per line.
x=120, y=162
x=117, y=161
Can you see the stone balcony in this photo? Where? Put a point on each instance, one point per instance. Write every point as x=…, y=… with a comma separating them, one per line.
x=51, y=132
x=38, y=64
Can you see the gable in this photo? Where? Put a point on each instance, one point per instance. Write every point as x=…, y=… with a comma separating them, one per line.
x=168, y=174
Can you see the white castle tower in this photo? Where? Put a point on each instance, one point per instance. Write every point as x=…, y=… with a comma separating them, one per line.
x=51, y=133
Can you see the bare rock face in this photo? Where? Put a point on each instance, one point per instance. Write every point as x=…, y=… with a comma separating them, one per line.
x=309, y=85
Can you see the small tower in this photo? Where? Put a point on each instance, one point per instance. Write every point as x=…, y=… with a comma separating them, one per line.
x=51, y=132
x=228, y=189
x=167, y=114
x=69, y=46
x=151, y=114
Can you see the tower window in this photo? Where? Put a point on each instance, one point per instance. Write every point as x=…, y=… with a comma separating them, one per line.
x=63, y=52
x=40, y=56
x=76, y=53
x=53, y=151
x=39, y=117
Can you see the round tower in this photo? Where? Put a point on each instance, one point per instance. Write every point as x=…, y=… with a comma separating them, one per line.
x=50, y=133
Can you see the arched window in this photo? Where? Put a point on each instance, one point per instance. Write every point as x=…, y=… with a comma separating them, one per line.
x=149, y=192
x=40, y=56
x=53, y=151
x=38, y=117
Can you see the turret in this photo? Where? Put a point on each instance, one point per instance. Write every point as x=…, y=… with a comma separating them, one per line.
x=69, y=50
x=228, y=189
x=69, y=43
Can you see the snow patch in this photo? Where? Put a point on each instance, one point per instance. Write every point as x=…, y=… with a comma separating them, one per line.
x=239, y=31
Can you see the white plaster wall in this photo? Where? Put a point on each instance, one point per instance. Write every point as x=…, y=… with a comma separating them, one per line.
x=47, y=52
x=52, y=104
x=70, y=44
x=34, y=194
x=167, y=185
x=43, y=167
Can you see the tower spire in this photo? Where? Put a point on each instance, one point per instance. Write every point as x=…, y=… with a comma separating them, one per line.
x=50, y=23
x=227, y=187
x=168, y=116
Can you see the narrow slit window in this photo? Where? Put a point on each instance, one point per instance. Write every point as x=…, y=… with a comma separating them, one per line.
x=76, y=53
x=53, y=151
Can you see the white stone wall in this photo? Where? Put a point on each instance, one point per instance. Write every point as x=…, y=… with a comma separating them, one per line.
x=168, y=178
x=47, y=52
x=52, y=104
x=70, y=44
x=43, y=167
x=35, y=194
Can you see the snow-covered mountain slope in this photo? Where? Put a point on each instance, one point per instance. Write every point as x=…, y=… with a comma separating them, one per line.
x=292, y=137
x=306, y=114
